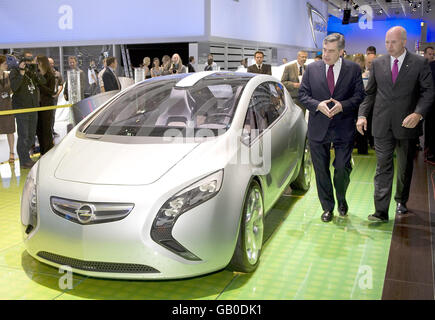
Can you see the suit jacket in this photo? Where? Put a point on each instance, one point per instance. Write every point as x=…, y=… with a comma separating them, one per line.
x=349, y=91
x=110, y=81
x=265, y=69
x=391, y=104
x=291, y=74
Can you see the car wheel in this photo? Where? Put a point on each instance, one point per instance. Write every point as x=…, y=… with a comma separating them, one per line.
x=303, y=179
x=246, y=256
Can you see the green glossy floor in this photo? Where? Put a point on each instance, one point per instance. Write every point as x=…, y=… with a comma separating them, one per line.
x=302, y=258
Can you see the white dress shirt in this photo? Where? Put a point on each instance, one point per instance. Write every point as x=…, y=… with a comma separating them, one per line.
x=337, y=69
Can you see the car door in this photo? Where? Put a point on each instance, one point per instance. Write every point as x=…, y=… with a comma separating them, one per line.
x=269, y=140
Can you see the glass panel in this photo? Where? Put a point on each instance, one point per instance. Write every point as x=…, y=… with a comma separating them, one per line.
x=154, y=107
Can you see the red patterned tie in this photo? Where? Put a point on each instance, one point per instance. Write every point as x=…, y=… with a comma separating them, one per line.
x=330, y=78
x=395, y=71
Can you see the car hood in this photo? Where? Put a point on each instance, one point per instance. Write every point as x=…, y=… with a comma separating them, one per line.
x=97, y=162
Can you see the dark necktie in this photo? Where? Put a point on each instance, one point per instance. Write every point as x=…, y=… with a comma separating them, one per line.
x=330, y=78
x=395, y=71
x=259, y=67
x=300, y=70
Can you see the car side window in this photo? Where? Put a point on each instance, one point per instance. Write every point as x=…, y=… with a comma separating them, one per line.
x=267, y=103
x=277, y=97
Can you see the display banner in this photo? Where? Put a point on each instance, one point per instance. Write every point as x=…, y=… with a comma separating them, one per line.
x=28, y=23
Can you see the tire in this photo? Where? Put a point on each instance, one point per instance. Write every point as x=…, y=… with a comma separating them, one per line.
x=246, y=256
x=303, y=180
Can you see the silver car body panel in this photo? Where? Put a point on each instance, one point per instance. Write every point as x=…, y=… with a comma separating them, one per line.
x=88, y=170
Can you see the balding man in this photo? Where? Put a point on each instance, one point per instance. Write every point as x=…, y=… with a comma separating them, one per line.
x=291, y=78
x=400, y=92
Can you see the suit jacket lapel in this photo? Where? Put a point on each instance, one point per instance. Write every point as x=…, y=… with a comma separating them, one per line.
x=342, y=74
x=386, y=66
x=406, y=65
x=324, y=82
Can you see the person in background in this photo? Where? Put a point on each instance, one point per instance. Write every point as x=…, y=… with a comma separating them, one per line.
x=177, y=65
x=166, y=65
x=368, y=63
x=58, y=87
x=7, y=123
x=292, y=76
x=259, y=66
x=371, y=50
x=44, y=129
x=25, y=81
x=318, y=57
x=214, y=66
x=146, y=66
x=332, y=90
x=73, y=64
x=399, y=100
x=209, y=66
x=110, y=79
x=360, y=60
x=92, y=77
x=284, y=60
x=429, y=54
x=156, y=70
x=190, y=65
x=100, y=76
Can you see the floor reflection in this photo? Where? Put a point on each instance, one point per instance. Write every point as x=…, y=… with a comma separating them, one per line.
x=9, y=172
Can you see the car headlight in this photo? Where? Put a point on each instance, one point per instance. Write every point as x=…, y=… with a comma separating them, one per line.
x=188, y=198
x=29, y=201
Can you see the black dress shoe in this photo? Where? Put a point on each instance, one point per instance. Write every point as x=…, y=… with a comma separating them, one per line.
x=343, y=208
x=327, y=216
x=377, y=218
x=401, y=208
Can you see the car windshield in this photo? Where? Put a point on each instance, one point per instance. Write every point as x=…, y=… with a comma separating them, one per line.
x=159, y=108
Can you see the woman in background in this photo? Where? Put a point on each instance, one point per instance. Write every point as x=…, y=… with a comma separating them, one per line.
x=166, y=65
x=146, y=66
x=156, y=70
x=44, y=130
x=7, y=123
x=177, y=65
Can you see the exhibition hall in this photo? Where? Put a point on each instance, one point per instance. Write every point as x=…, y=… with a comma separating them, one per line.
x=226, y=150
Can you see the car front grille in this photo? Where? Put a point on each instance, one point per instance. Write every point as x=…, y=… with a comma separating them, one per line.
x=87, y=213
x=96, y=266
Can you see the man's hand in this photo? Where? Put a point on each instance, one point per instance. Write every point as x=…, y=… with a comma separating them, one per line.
x=323, y=108
x=337, y=108
x=411, y=121
x=361, y=125
x=296, y=85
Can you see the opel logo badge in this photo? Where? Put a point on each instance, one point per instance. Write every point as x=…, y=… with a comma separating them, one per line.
x=85, y=213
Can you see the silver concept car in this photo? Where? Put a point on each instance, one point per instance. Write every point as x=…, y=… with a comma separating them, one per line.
x=170, y=178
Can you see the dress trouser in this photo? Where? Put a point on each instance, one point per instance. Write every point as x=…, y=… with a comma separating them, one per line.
x=26, y=131
x=44, y=130
x=405, y=151
x=321, y=157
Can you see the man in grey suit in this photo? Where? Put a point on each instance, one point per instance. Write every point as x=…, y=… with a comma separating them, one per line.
x=400, y=92
x=293, y=74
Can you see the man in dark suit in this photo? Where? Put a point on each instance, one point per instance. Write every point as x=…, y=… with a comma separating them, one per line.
x=332, y=90
x=429, y=127
x=110, y=79
x=259, y=66
x=400, y=92
x=292, y=75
